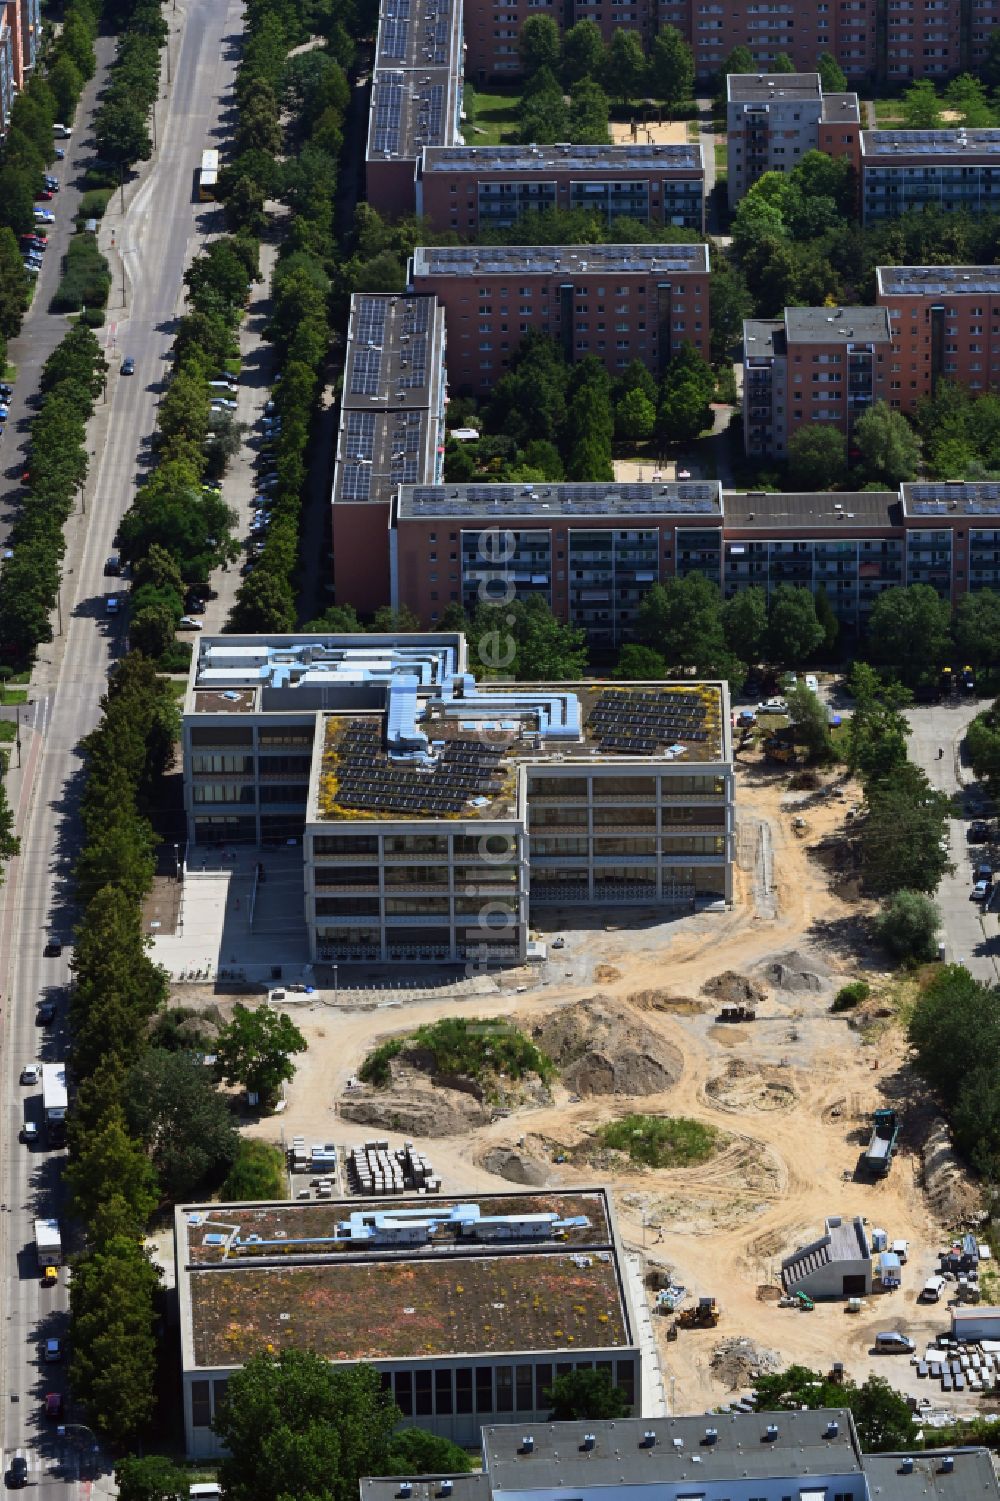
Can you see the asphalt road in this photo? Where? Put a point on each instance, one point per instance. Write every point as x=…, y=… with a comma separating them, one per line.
x=971, y=936
x=161, y=229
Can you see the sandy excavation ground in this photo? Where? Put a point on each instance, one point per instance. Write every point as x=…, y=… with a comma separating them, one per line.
x=791, y=1093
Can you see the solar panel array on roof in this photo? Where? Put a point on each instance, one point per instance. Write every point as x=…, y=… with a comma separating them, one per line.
x=368, y=780
x=388, y=108
x=692, y=498
x=978, y=498
x=640, y=723
x=366, y=370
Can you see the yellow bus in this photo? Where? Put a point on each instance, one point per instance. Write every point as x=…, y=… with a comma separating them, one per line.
x=208, y=177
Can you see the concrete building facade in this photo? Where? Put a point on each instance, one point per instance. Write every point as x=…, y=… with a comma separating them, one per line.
x=391, y=432
x=470, y=188
x=618, y=302
x=814, y=365
x=772, y=120
x=357, y=1266
x=837, y=1265
x=954, y=171
x=434, y=812
x=945, y=324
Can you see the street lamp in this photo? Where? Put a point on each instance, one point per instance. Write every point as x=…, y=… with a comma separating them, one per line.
x=335, y=985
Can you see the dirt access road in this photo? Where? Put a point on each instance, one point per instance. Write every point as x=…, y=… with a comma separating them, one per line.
x=791, y=1093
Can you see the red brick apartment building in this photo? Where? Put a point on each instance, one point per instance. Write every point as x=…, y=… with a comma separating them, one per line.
x=814, y=365
x=954, y=171
x=469, y=188
x=945, y=323
x=619, y=302
x=773, y=119
x=492, y=28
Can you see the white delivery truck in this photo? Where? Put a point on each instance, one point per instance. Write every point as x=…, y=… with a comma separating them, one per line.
x=48, y=1243
x=54, y=1100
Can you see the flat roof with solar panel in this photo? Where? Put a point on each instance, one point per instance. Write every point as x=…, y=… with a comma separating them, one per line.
x=937, y=281
x=686, y=159
x=960, y=144
x=701, y=499
x=418, y=34
x=553, y=260
x=410, y=110
x=951, y=498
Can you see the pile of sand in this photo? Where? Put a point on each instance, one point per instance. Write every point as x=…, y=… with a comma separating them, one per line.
x=952, y=1193
x=796, y=972
x=516, y=1165
x=733, y=989
x=416, y=1110
x=751, y=1086
x=601, y=1048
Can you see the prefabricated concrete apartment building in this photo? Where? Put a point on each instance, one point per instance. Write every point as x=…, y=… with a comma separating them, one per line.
x=469, y=1309
x=435, y=812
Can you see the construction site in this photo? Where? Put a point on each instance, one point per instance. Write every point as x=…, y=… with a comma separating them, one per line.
x=814, y=1120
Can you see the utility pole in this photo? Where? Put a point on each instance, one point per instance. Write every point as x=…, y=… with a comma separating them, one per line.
x=59, y=606
x=17, y=741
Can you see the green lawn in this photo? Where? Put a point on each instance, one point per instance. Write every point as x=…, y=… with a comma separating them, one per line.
x=14, y=696
x=888, y=110
x=721, y=160
x=496, y=118
x=8, y=731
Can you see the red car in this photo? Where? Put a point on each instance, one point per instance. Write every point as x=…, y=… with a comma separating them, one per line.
x=44, y=194
x=54, y=1405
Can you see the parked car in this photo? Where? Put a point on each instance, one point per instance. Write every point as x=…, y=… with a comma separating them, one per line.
x=223, y=404
x=60, y=154
x=6, y=391
x=53, y=948
x=31, y=270
x=978, y=832
x=29, y=1133
x=17, y=1475
x=45, y=1013
x=112, y=605
x=31, y=1073
x=45, y=194
x=62, y=132
x=54, y=1405
x=981, y=891
x=113, y=565
x=188, y=623
x=128, y=365
x=53, y=1350
x=772, y=706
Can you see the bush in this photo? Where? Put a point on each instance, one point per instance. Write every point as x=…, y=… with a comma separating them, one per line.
x=467, y=1049
x=91, y=317
x=849, y=996
x=660, y=1140
x=375, y=1068
x=94, y=203
x=100, y=176
x=803, y=781
x=86, y=278
x=257, y=1173
x=908, y=926
x=177, y=658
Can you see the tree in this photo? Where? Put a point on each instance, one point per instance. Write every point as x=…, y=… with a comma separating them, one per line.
x=635, y=416
x=888, y=447
x=731, y=303
x=264, y=602
x=625, y=68
x=882, y=1417
x=66, y=82
x=588, y=114
x=876, y=731
x=909, y=631
x=793, y=632
x=921, y=106
x=810, y=722
x=151, y=630
x=744, y=622
x=682, y=622
x=113, y=1362
x=121, y=134
x=671, y=67
x=982, y=742
x=10, y=844
x=782, y=64
x=827, y=618
x=258, y=1172
x=255, y=1049
x=817, y=457
x=977, y=626
x=582, y=53
x=902, y=833
x=908, y=925
x=154, y=1477
x=585, y=1394
x=296, y=1426
x=112, y=1163
x=414, y=1451
x=685, y=395
x=640, y=664
x=172, y=1105
x=831, y=75
x=538, y=45
x=740, y=60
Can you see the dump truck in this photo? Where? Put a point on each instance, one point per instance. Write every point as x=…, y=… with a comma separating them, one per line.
x=781, y=751
x=48, y=1243
x=737, y=1014
x=704, y=1315
x=885, y=1132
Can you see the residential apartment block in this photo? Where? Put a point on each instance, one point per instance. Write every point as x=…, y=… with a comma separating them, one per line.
x=772, y=120
x=391, y=432
x=590, y=551
x=955, y=171
x=945, y=324
x=814, y=365
x=890, y=40
x=618, y=302
x=492, y=28
x=416, y=97
x=434, y=813
x=952, y=535
x=471, y=188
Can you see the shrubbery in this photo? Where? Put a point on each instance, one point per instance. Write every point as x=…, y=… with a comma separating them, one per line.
x=955, y=1034
x=467, y=1048
x=660, y=1141
x=851, y=995
x=86, y=278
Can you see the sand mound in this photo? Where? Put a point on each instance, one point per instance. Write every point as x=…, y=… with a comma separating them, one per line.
x=748, y=1086
x=600, y=1048
x=416, y=1111
x=796, y=972
x=738, y=1362
x=515, y=1165
x=664, y=1000
x=951, y=1191
x=734, y=990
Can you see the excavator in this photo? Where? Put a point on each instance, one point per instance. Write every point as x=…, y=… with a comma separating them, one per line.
x=703, y=1315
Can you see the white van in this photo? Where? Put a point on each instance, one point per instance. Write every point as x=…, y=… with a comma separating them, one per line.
x=891, y=1342
x=205, y=1491
x=62, y=132
x=932, y=1290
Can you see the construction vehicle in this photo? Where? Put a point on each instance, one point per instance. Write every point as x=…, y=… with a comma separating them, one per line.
x=781, y=751
x=704, y=1315
x=737, y=1014
x=885, y=1133
x=806, y=1303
